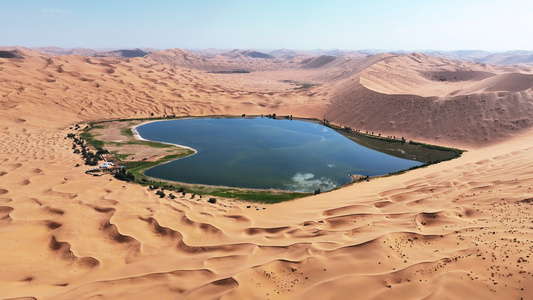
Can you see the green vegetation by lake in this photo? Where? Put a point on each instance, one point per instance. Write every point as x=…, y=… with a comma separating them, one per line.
x=303, y=182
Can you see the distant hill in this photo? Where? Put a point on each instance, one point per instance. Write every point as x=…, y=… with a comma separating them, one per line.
x=10, y=54
x=122, y=53
x=285, y=53
x=237, y=53
x=185, y=59
x=509, y=58
x=317, y=62
x=480, y=56
x=256, y=54
x=208, y=53
x=127, y=53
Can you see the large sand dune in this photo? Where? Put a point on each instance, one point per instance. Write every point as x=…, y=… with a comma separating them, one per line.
x=436, y=100
x=462, y=229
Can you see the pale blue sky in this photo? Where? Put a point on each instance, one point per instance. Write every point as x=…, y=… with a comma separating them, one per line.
x=334, y=24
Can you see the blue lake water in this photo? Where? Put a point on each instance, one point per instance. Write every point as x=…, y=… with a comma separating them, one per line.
x=264, y=153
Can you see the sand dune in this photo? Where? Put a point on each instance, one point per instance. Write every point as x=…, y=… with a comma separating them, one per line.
x=508, y=82
x=436, y=100
x=236, y=60
x=459, y=229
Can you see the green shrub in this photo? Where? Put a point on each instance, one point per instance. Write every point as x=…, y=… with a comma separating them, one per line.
x=124, y=175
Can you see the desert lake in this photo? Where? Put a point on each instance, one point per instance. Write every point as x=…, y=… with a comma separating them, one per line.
x=264, y=153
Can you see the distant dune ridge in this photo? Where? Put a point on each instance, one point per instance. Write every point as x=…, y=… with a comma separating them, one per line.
x=500, y=58
x=413, y=95
x=479, y=56
x=10, y=54
x=456, y=230
x=96, y=53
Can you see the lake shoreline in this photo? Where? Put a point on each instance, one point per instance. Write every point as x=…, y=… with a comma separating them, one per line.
x=284, y=138
x=137, y=136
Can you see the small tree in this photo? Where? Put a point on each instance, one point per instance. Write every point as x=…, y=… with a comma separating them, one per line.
x=124, y=175
x=94, y=162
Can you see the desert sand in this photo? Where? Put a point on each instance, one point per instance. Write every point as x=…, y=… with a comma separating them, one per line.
x=461, y=229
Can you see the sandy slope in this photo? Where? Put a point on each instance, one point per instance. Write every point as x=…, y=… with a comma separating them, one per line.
x=436, y=100
x=457, y=230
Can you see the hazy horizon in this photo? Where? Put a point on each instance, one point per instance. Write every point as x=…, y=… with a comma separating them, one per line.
x=493, y=26
x=320, y=50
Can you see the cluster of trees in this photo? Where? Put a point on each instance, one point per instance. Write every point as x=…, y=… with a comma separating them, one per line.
x=231, y=72
x=124, y=175
x=349, y=129
x=160, y=191
x=273, y=116
x=90, y=157
x=157, y=186
x=93, y=158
